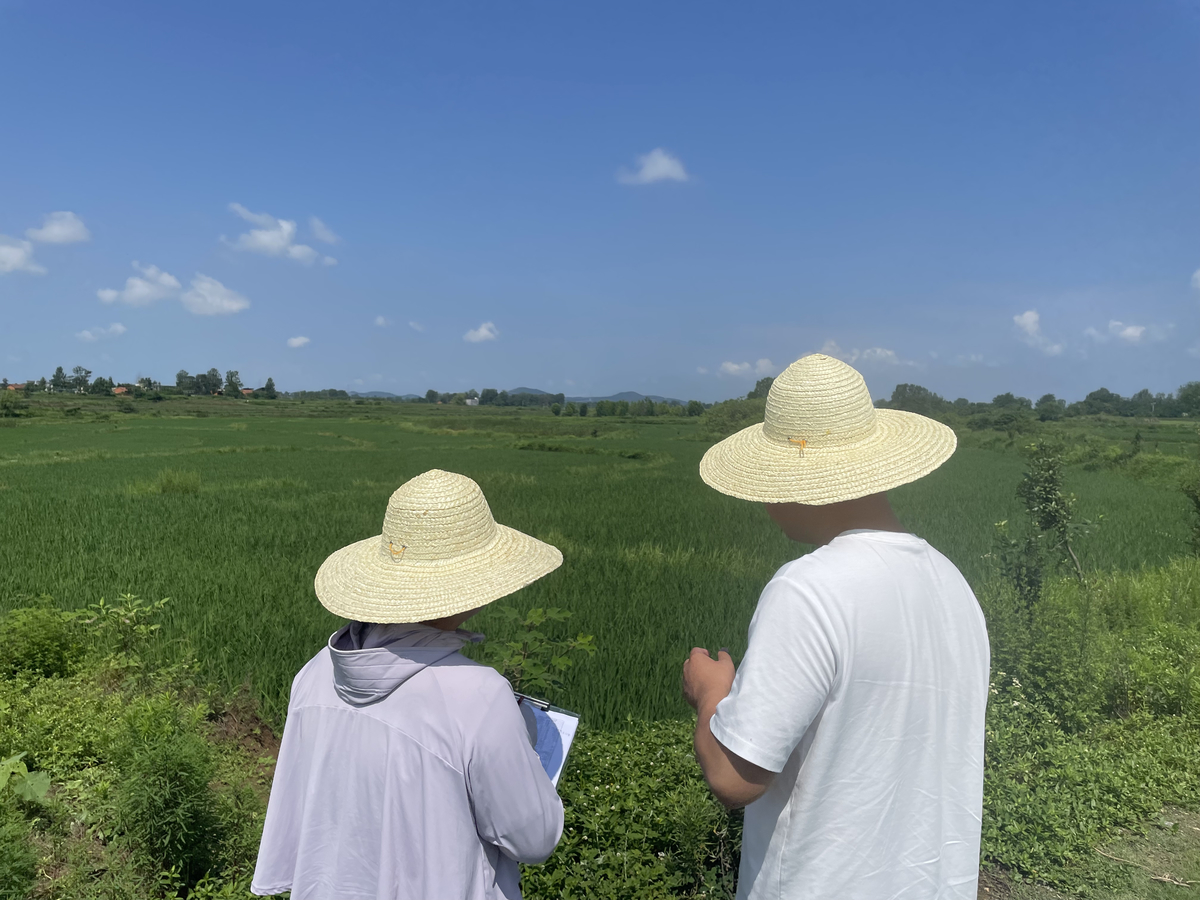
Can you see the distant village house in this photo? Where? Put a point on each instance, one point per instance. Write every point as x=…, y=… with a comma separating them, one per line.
x=120, y=389
x=16, y=387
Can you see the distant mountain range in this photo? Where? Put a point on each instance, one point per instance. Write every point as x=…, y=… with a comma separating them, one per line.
x=624, y=395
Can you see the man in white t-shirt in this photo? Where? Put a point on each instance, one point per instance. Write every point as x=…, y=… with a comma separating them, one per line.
x=853, y=731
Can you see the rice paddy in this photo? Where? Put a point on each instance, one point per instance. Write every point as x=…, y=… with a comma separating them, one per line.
x=230, y=517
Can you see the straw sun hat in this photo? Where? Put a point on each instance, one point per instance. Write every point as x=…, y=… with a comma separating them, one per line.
x=440, y=553
x=823, y=441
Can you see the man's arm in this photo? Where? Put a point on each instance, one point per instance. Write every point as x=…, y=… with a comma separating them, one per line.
x=706, y=682
x=515, y=804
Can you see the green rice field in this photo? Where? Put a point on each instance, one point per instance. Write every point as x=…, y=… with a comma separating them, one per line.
x=230, y=516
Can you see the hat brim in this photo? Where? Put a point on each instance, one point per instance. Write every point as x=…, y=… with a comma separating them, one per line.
x=903, y=447
x=359, y=582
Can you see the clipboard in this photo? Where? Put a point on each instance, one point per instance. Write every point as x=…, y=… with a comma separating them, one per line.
x=556, y=729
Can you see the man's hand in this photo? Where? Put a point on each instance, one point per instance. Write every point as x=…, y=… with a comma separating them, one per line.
x=706, y=681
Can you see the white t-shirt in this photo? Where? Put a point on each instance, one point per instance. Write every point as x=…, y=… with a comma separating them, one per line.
x=864, y=686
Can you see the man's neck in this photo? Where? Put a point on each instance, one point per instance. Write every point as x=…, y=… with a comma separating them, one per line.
x=821, y=524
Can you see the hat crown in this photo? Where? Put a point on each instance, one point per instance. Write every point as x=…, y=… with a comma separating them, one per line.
x=436, y=516
x=819, y=401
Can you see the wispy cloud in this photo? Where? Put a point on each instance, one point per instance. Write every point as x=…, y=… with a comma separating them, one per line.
x=142, y=290
x=60, y=228
x=1029, y=325
x=416, y=326
x=1130, y=334
x=208, y=297
x=1196, y=279
x=274, y=237
x=17, y=256
x=297, y=342
x=657, y=165
x=485, y=332
x=760, y=369
x=89, y=335
x=873, y=355
x=323, y=232
x=381, y=322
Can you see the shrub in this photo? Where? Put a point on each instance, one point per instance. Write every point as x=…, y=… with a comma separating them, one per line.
x=723, y=419
x=165, y=806
x=530, y=659
x=39, y=641
x=18, y=859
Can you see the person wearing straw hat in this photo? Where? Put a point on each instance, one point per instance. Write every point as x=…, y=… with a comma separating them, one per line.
x=406, y=770
x=853, y=729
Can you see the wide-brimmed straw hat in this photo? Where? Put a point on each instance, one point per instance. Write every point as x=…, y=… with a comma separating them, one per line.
x=823, y=441
x=440, y=553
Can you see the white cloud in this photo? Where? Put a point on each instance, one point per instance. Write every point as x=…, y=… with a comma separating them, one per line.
x=116, y=329
x=153, y=284
x=322, y=232
x=874, y=355
x=274, y=237
x=416, y=326
x=381, y=321
x=1132, y=334
x=1030, y=325
x=60, y=228
x=657, y=165
x=17, y=256
x=297, y=342
x=700, y=370
x=485, y=332
x=208, y=297
x=1196, y=279
x=760, y=369
x=880, y=355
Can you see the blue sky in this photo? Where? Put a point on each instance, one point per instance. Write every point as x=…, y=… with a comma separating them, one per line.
x=670, y=198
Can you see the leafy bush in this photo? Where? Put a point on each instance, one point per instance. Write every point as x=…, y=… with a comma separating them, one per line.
x=723, y=419
x=40, y=641
x=18, y=859
x=1050, y=797
x=531, y=660
x=164, y=803
x=145, y=802
x=640, y=822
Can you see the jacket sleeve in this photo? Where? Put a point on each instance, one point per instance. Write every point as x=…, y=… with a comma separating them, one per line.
x=516, y=807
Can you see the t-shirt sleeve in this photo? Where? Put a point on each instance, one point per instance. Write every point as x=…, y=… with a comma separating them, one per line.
x=784, y=680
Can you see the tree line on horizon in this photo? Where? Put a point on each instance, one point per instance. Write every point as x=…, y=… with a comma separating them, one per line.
x=1048, y=408
x=1185, y=402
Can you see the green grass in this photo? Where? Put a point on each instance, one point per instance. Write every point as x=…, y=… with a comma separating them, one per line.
x=232, y=516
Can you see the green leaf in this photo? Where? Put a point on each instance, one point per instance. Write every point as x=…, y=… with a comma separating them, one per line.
x=11, y=765
x=32, y=786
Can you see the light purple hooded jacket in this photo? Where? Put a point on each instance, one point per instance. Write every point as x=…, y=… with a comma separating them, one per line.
x=405, y=773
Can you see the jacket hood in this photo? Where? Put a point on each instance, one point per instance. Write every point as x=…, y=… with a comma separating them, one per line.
x=371, y=660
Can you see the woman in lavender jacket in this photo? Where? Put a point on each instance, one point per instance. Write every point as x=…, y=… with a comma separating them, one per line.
x=406, y=769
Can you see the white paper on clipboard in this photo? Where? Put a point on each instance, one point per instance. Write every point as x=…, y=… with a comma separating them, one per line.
x=555, y=732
